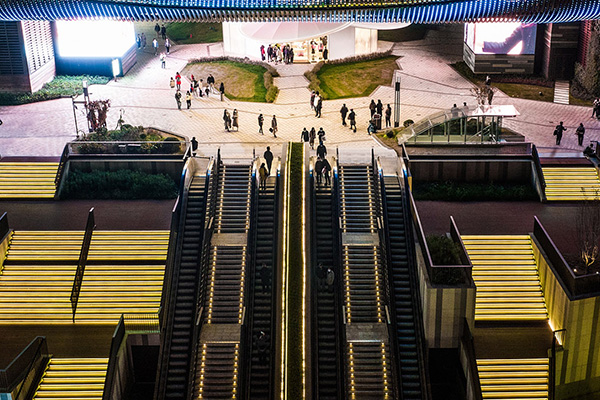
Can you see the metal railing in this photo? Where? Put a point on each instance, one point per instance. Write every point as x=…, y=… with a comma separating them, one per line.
x=538, y=175
x=467, y=354
x=4, y=227
x=19, y=372
x=61, y=166
x=83, y=256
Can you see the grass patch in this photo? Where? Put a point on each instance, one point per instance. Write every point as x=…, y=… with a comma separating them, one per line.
x=580, y=102
x=243, y=82
x=524, y=91
x=296, y=267
x=118, y=185
x=411, y=32
x=62, y=85
x=457, y=191
x=353, y=79
x=195, y=32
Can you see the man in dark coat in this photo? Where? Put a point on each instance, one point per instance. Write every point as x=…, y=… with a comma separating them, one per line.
x=352, y=119
x=344, y=112
x=268, y=156
x=321, y=150
x=558, y=132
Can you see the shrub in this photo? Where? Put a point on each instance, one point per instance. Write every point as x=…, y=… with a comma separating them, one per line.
x=272, y=90
x=171, y=145
x=118, y=185
x=443, y=250
x=460, y=191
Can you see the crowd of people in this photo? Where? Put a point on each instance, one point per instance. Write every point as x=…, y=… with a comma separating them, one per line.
x=277, y=53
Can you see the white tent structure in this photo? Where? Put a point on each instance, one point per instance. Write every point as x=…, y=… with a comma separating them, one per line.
x=309, y=39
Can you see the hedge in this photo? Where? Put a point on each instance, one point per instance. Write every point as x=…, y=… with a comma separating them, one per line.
x=457, y=191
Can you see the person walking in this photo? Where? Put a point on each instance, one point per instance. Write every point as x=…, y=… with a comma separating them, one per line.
x=315, y=102
x=388, y=116
x=226, y=120
x=330, y=279
x=322, y=151
x=311, y=137
x=580, y=131
x=319, y=107
x=371, y=128
x=157, y=29
x=265, y=278
x=168, y=45
x=312, y=100
x=262, y=52
x=261, y=120
x=372, y=107
x=596, y=108
x=222, y=90
x=558, y=132
x=379, y=107
x=138, y=41
x=188, y=99
x=178, y=80
x=264, y=174
x=327, y=172
x=178, y=98
x=163, y=60
x=194, y=143
x=274, y=126
x=163, y=32
x=344, y=112
x=304, y=136
x=262, y=345
x=268, y=156
x=321, y=135
x=172, y=83
x=234, y=120
x=143, y=40
x=155, y=46
x=352, y=119
x=319, y=170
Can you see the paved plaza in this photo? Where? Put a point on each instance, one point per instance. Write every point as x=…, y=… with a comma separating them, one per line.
x=428, y=85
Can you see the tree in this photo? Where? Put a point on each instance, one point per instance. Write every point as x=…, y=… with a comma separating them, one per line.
x=588, y=76
x=588, y=231
x=96, y=113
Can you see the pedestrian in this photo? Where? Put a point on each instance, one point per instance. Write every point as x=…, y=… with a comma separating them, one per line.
x=262, y=345
x=163, y=32
x=138, y=40
x=322, y=151
x=580, y=131
x=210, y=81
x=388, y=116
x=194, y=143
x=315, y=102
x=330, y=279
x=268, y=156
x=371, y=128
x=178, y=98
x=265, y=277
x=234, y=120
x=327, y=172
x=188, y=99
x=321, y=135
x=465, y=109
x=222, y=90
x=352, y=119
x=262, y=52
x=226, y=120
x=454, y=111
x=596, y=108
x=319, y=170
x=304, y=136
x=312, y=100
x=172, y=83
x=163, y=60
x=155, y=46
x=178, y=80
x=321, y=274
x=344, y=112
x=197, y=88
x=372, y=107
x=490, y=95
x=589, y=150
x=273, y=128
x=558, y=132
x=319, y=107
x=263, y=174
x=379, y=107
x=143, y=40
x=168, y=45
x=311, y=137
x=157, y=29
x=488, y=81
x=261, y=119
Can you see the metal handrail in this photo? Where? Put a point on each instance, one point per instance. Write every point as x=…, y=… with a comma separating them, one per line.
x=83, y=256
x=466, y=340
x=4, y=227
x=21, y=366
x=61, y=166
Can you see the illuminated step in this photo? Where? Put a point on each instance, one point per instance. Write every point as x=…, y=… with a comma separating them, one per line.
x=571, y=184
x=27, y=180
x=73, y=378
x=513, y=378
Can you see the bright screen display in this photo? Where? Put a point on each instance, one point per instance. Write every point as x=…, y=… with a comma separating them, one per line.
x=94, y=39
x=501, y=38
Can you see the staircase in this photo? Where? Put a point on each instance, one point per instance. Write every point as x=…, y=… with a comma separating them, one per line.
x=327, y=365
x=217, y=373
x=233, y=207
x=185, y=285
x=263, y=307
x=571, y=183
x=513, y=378
x=402, y=291
x=357, y=199
x=226, y=291
x=505, y=273
x=73, y=378
x=27, y=180
x=369, y=373
x=561, y=92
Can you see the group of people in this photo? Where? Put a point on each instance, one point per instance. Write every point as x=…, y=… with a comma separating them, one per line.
x=316, y=103
x=231, y=120
x=377, y=108
x=275, y=53
x=560, y=129
x=197, y=88
x=265, y=168
x=351, y=117
x=310, y=137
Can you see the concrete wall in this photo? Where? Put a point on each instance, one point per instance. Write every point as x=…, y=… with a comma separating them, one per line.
x=498, y=63
x=498, y=171
x=172, y=168
x=578, y=364
x=561, y=42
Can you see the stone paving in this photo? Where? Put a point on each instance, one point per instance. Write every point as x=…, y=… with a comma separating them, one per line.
x=428, y=85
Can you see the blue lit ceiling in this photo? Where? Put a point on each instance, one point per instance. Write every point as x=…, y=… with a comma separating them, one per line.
x=413, y=11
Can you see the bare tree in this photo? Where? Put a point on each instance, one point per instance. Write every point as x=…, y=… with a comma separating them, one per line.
x=588, y=231
x=97, y=111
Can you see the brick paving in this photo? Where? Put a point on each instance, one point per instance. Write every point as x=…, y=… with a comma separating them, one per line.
x=428, y=85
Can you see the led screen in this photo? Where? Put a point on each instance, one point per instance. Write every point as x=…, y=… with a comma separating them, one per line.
x=94, y=39
x=501, y=37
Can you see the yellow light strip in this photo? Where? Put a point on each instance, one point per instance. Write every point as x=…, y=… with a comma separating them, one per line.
x=242, y=279
x=377, y=285
x=235, y=370
x=304, y=275
x=285, y=262
x=202, y=365
x=212, y=284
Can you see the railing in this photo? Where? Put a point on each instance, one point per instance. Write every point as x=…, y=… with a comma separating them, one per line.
x=19, y=371
x=61, y=166
x=538, y=176
x=4, y=227
x=552, y=364
x=83, y=255
x=576, y=287
x=469, y=363
x=129, y=148
x=128, y=323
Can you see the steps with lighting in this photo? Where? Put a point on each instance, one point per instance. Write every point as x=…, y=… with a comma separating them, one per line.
x=73, y=378
x=369, y=376
x=513, y=378
x=217, y=372
x=233, y=199
x=226, y=287
x=107, y=246
x=27, y=180
x=571, y=183
x=357, y=200
x=505, y=273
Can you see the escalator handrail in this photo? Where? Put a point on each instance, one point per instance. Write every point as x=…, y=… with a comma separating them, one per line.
x=313, y=292
x=274, y=278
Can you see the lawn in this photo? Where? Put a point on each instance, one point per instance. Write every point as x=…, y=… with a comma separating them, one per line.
x=356, y=79
x=244, y=82
x=195, y=32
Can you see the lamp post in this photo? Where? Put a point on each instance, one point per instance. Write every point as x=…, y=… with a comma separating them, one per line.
x=396, y=99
